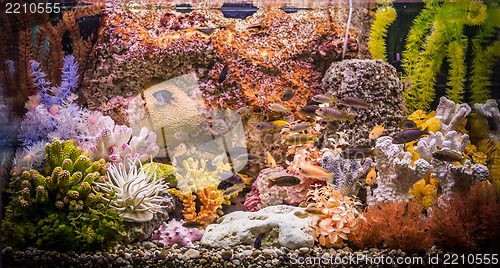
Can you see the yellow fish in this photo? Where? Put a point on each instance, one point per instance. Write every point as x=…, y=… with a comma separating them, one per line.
x=279, y=123
x=371, y=176
x=376, y=132
x=270, y=160
x=315, y=172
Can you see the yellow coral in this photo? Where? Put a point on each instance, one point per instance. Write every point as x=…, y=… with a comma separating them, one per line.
x=425, y=192
x=418, y=117
x=432, y=124
x=479, y=158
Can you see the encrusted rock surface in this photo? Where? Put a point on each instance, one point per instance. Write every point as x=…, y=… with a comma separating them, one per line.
x=373, y=81
x=277, y=226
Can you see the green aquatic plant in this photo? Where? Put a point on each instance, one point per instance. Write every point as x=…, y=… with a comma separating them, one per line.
x=438, y=33
x=384, y=17
x=56, y=208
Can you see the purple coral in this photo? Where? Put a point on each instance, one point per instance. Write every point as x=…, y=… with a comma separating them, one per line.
x=174, y=232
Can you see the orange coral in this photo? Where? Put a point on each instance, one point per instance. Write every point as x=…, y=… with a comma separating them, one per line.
x=338, y=216
x=211, y=200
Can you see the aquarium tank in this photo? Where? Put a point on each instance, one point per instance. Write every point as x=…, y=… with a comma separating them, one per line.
x=292, y=133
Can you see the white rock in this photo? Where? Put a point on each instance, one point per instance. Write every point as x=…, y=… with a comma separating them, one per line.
x=192, y=254
x=278, y=225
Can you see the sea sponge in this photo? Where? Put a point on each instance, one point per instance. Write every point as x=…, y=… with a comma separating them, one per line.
x=173, y=232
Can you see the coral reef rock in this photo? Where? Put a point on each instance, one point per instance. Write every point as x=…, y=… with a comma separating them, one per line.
x=141, y=231
x=450, y=114
x=452, y=178
x=395, y=172
x=490, y=112
x=276, y=225
x=373, y=81
x=347, y=172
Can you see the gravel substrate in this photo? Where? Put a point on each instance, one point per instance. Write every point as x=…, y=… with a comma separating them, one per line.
x=148, y=254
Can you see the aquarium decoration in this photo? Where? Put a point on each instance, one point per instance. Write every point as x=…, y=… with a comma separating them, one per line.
x=384, y=17
x=180, y=135
x=57, y=208
x=173, y=232
x=438, y=33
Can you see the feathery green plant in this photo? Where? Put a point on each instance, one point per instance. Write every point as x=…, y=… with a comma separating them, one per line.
x=384, y=17
x=438, y=33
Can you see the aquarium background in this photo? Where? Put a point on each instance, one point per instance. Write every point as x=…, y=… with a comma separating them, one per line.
x=252, y=133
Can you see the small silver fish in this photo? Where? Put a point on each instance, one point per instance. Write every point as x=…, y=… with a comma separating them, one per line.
x=309, y=110
x=449, y=156
x=248, y=157
x=243, y=111
x=354, y=102
x=263, y=126
x=324, y=99
x=163, y=97
x=279, y=108
x=300, y=127
x=218, y=159
x=180, y=136
x=335, y=114
x=233, y=189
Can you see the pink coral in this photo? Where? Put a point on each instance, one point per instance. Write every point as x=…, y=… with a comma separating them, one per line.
x=277, y=195
x=174, y=232
x=252, y=200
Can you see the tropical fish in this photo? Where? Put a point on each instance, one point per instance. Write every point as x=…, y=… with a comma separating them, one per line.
x=309, y=110
x=279, y=108
x=315, y=211
x=228, y=179
x=300, y=127
x=335, y=114
x=403, y=108
x=192, y=224
x=408, y=84
x=449, y=156
x=233, y=189
x=287, y=95
x=258, y=241
x=279, y=123
x=315, y=172
x=358, y=153
x=301, y=215
x=408, y=135
x=354, y=102
x=223, y=74
x=300, y=139
x=163, y=97
x=264, y=126
x=284, y=181
x=324, y=99
x=243, y=111
x=270, y=160
x=248, y=157
x=376, y=132
x=371, y=176
x=407, y=124
x=259, y=27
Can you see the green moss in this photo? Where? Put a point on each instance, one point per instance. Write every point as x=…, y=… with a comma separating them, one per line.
x=56, y=209
x=165, y=172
